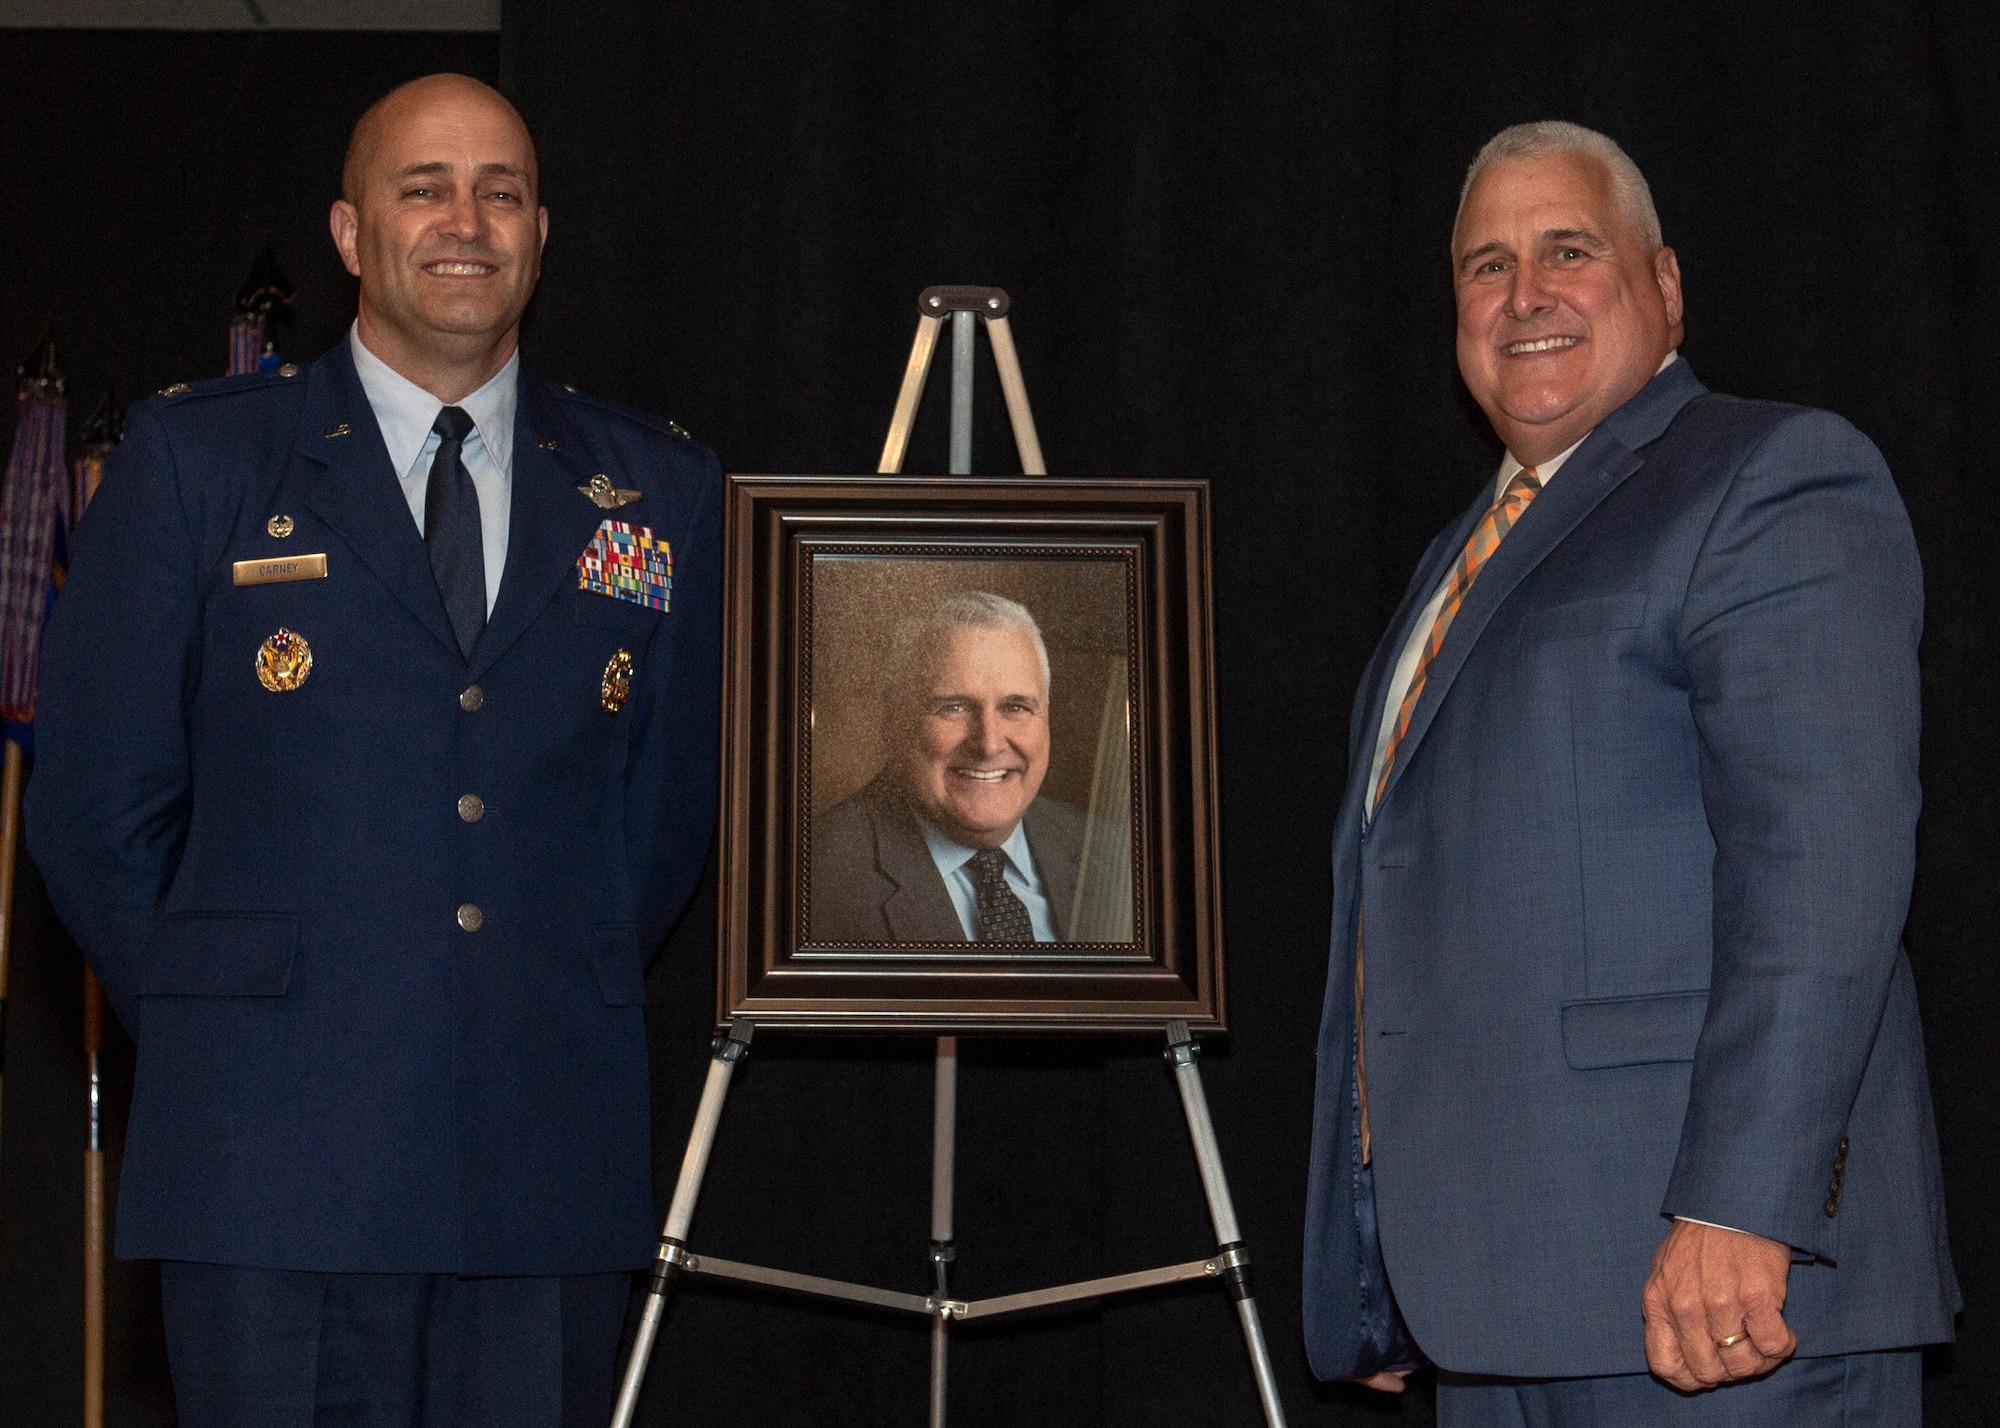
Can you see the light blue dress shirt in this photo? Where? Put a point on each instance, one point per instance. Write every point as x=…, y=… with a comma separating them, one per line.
x=951, y=858
x=406, y=413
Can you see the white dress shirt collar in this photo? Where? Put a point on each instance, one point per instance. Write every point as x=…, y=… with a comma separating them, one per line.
x=406, y=412
x=1511, y=466
x=951, y=856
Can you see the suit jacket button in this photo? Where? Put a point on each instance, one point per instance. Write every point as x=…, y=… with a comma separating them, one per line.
x=1832, y=1207
x=471, y=919
x=471, y=808
x=472, y=698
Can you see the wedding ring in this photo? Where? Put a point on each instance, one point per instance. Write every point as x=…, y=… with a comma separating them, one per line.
x=1733, y=1340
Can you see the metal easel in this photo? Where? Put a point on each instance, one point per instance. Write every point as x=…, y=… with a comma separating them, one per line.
x=1230, y=1264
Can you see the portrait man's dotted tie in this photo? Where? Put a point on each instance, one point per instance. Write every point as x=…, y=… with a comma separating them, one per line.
x=1003, y=917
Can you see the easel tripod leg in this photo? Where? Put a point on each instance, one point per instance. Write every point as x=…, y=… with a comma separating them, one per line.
x=730, y=1044
x=944, y=1144
x=1181, y=1054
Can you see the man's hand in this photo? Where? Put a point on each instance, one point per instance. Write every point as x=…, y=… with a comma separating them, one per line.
x=1389, y=1380
x=1712, y=1288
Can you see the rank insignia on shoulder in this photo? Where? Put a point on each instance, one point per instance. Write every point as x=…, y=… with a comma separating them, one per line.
x=607, y=497
x=283, y=661
x=178, y=389
x=616, y=687
x=627, y=562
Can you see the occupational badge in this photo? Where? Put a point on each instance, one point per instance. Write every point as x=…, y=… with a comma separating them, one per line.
x=607, y=497
x=627, y=562
x=279, y=526
x=617, y=685
x=283, y=661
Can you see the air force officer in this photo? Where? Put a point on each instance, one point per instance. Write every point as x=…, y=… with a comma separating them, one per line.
x=377, y=754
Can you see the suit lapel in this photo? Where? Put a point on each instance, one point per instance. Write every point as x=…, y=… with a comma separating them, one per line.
x=920, y=910
x=1606, y=459
x=358, y=494
x=1056, y=856
x=547, y=528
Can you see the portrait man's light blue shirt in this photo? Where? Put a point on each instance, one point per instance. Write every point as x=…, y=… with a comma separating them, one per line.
x=951, y=858
x=406, y=413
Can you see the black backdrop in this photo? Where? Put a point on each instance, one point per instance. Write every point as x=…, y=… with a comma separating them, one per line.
x=1224, y=230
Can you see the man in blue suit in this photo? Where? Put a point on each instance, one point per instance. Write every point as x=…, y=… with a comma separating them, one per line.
x=377, y=756
x=1621, y=1114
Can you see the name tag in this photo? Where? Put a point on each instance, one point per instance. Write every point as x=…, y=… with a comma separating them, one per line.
x=285, y=567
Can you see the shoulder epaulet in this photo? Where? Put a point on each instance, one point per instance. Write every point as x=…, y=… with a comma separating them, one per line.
x=285, y=375
x=632, y=414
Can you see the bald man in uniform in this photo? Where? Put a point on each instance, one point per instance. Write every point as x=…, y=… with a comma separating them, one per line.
x=377, y=757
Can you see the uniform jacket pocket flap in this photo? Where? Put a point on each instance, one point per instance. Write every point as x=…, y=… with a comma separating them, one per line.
x=222, y=954
x=621, y=970
x=608, y=612
x=1633, y=1031
x=1573, y=621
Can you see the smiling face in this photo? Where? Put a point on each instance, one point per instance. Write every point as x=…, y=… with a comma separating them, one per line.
x=1564, y=309
x=440, y=224
x=978, y=744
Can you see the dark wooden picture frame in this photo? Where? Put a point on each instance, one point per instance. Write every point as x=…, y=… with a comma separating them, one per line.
x=1142, y=549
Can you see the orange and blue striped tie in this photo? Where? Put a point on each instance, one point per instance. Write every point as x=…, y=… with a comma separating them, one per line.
x=1479, y=547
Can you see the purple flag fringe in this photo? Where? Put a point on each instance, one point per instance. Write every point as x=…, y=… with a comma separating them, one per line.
x=246, y=344
x=31, y=505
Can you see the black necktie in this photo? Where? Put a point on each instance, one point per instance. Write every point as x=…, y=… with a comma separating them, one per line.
x=1003, y=917
x=451, y=530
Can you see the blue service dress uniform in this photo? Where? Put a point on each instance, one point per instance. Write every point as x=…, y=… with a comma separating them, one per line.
x=380, y=937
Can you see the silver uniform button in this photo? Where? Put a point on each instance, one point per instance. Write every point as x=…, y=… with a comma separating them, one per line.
x=472, y=698
x=470, y=917
x=471, y=808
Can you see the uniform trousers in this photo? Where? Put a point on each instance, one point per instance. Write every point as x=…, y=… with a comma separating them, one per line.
x=1878, y=1390
x=270, y=1348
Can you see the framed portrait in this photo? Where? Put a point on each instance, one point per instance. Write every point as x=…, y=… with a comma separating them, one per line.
x=968, y=756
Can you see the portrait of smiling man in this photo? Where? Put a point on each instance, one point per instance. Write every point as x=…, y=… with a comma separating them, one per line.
x=953, y=841
x=1621, y=1114
x=405, y=771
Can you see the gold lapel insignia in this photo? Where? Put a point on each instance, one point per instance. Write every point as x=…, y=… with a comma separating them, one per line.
x=607, y=497
x=617, y=685
x=339, y=428
x=548, y=443
x=279, y=526
x=283, y=661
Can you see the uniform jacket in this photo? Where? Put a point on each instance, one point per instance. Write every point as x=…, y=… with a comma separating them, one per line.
x=332, y=1073
x=1633, y=899
x=874, y=880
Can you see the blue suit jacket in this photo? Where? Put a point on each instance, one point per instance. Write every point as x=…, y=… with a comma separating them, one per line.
x=332, y=1075
x=1632, y=900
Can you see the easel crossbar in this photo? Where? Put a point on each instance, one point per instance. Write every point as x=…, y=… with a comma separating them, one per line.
x=708, y=1266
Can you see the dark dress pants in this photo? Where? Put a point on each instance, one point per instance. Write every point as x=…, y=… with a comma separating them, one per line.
x=1879, y=1390
x=268, y=1348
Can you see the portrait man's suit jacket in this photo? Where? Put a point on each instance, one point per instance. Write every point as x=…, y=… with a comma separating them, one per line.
x=332, y=1074
x=874, y=880
x=1632, y=902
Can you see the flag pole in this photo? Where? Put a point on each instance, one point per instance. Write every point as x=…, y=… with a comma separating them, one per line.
x=102, y=431
x=93, y=1211
x=10, y=832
